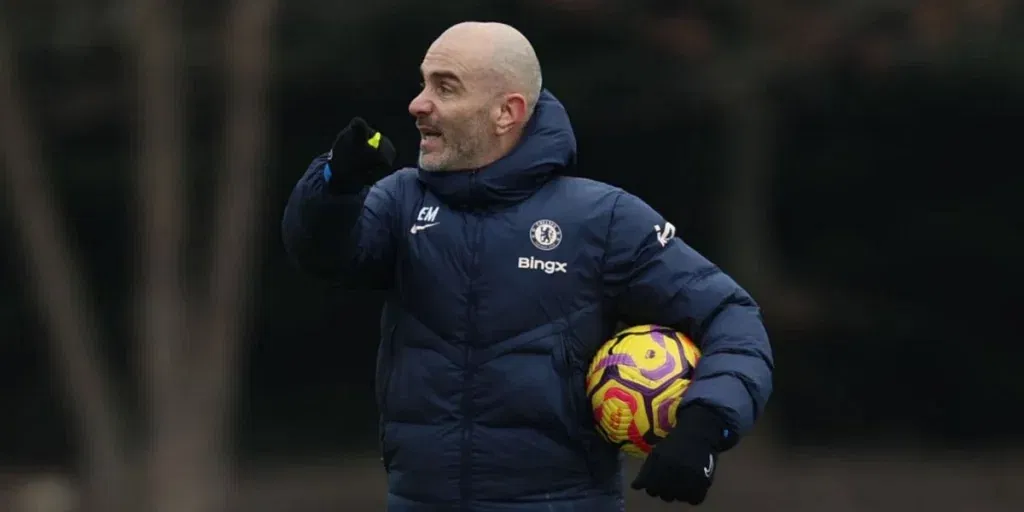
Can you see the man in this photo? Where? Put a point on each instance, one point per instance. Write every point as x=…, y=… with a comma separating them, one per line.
x=503, y=276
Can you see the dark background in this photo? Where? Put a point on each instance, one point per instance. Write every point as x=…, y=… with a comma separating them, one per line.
x=856, y=166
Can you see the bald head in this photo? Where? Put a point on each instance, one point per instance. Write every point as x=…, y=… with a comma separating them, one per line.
x=481, y=85
x=499, y=52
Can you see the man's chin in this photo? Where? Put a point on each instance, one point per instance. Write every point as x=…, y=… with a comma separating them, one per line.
x=427, y=163
x=429, y=168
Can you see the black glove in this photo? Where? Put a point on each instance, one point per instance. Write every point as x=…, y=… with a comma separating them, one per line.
x=681, y=467
x=360, y=156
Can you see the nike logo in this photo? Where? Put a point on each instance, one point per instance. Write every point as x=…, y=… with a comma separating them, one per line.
x=416, y=228
x=710, y=468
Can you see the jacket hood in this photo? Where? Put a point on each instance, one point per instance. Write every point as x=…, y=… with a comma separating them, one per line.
x=547, y=147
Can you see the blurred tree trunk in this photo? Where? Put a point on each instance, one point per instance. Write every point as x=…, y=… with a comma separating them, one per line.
x=157, y=43
x=192, y=357
x=62, y=296
x=188, y=342
x=745, y=208
x=193, y=474
x=739, y=83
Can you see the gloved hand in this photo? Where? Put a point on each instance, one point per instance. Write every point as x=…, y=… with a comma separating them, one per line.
x=360, y=156
x=681, y=467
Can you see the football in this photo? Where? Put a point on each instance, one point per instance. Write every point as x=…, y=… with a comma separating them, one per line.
x=635, y=383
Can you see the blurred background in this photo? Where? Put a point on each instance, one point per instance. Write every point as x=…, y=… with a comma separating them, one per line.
x=856, y=164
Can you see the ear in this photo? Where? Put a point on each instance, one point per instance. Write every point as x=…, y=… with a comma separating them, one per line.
x=511, y=113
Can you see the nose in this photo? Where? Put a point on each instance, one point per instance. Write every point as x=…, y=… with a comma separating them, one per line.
x=420, y=106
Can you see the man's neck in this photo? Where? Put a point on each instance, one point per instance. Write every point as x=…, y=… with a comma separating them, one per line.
x=504, y=146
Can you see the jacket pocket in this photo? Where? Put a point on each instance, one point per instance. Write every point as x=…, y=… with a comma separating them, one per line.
x=573, y=371
x=385, y=370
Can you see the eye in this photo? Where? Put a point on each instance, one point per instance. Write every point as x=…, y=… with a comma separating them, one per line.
x=445, y=88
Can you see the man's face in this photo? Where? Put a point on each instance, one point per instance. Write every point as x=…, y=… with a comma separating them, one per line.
x=454, y=110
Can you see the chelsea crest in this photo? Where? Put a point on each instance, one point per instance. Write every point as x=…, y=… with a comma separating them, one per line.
x=545, y=235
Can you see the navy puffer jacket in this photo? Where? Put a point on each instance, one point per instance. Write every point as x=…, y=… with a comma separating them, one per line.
x=501, y=285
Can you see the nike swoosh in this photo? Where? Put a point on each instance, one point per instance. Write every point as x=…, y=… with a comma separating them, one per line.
x=417, y=228
x=710, y=467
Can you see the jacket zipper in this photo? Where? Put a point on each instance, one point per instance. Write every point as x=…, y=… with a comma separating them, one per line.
x=577, y=406
x=387, y=371
x=471, y=334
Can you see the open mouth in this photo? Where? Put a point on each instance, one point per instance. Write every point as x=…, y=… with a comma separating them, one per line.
x=429, y=133
x=430, y=139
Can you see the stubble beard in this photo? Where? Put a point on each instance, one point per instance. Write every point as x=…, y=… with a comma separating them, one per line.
x=453, y=156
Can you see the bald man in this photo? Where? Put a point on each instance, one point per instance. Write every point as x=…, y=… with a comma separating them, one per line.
x=503, y=275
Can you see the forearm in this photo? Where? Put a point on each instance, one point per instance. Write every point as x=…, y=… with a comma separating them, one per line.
x=318, y=225
x=734, y=375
